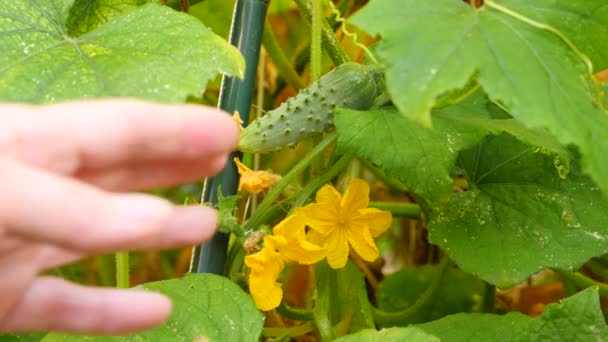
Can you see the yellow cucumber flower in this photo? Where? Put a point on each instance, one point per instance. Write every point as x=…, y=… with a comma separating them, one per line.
x=297, y=248
x=254, y=181
x=287, y=244
x=266, y=265
x=340, y=222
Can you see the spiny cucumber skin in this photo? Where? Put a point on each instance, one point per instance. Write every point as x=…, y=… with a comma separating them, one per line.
x=349, y=85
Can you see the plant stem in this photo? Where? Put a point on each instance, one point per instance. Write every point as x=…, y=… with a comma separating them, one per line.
x=401, y=318
x=254, y=221
x=281, y=333
x=323, y=305
x=284, y=66
x=122, y=270
x=330, y=42
x=293, y=313
x=489, y=298
x=598, y=268
x=318, y=182
x=581, y=280
x=315, y=41
x=400, y=209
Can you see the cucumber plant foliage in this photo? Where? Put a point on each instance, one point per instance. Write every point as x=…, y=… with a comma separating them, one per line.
x=498, y=102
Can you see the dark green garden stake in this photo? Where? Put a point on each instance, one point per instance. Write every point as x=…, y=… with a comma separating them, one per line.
x=246, y=34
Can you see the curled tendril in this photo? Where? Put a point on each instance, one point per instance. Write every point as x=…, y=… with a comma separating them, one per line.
x=351, y=35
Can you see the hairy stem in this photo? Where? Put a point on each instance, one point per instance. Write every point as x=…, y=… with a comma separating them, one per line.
x=122, y=270
x=315, y=41
x=316, y=184
x=400, y=209
x=582, y=281
x=255, y=219
x=403, y=317
x=284, y=66
x=330, y=42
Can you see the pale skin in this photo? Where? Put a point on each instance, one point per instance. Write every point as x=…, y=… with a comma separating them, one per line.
x=66, y=171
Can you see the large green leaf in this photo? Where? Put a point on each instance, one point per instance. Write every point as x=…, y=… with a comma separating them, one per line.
x=458, y=292
x=421, y=157
x=205, y=308
x=33, y=337
x=87, y=15
x=585, y=23
x=432, y=47
x=519, y=216
x=578, y=318
x=215, y=14
x=152, y=52
x=390, y=335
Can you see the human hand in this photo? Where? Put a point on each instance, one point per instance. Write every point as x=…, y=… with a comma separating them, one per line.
x=64, y=171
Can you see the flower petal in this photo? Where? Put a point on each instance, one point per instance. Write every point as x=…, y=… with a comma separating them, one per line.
x=362, y=242
x=328, y=195
x=266, y=265
x=303, y=252
x=298, y=248
x=356, y=197
x=265, y=290
x=377, y=221
x=320, y=217
x=337, y=249
x=293, y=226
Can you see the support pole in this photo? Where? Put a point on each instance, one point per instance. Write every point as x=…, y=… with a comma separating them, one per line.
x=246, y=34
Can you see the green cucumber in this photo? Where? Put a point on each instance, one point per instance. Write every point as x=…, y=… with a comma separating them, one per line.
x=350, y=85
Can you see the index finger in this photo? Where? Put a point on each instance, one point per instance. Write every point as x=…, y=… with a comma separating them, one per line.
x=86, y=136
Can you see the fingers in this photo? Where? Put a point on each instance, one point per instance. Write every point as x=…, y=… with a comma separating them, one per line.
x=56, y=305
x=152, y=174
x=87, y=137
x=51, y=209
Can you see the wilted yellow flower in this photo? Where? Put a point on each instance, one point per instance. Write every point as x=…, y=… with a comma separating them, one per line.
x=339, y=222
x=254, y=181
x=237, y=118
x=287, y=244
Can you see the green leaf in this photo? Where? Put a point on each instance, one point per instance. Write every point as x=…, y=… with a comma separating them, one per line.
x=152, y=53
x=432, y=47
x=226, y=206
x=410, y=334
x=421, y=157
x=206, y=307
x=477, y=110
x=519, y=217
x=343, y=295
x=585, y=23
x=87, y=15
x=33, y=337
x=458, y=292
x=215, y=14
x=577, y=318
